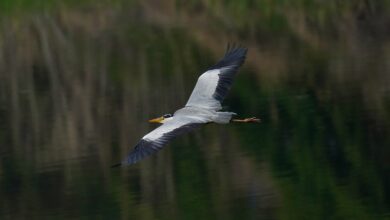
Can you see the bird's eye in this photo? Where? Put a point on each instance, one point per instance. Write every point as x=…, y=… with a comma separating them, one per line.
x=167, y=116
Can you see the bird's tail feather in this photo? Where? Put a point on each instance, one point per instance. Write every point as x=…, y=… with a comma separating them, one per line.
x=223, y=117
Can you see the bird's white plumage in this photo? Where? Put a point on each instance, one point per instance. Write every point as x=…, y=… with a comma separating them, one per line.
x=202, y=95
x=169, y=126
x=203, y=106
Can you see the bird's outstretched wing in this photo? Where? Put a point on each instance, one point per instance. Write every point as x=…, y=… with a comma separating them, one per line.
x=156, y=139
x=214, y=84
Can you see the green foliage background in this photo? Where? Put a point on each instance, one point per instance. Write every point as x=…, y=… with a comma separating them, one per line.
x=78, y=80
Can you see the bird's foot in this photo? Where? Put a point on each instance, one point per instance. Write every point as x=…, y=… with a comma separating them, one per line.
x=248, y=120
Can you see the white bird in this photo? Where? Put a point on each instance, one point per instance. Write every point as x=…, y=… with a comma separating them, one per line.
x=203, y=106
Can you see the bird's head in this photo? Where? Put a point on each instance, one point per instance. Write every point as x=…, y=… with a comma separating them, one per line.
x=161, y=119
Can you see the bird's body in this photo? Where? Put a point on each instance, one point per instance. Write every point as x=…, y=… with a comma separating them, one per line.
x=203, y=106
x=205, y=115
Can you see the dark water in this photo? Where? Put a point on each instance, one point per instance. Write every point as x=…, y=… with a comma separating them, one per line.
x=78, y=84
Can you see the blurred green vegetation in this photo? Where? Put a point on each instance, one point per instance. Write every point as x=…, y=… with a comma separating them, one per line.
x=76, y=87
x=12, y=7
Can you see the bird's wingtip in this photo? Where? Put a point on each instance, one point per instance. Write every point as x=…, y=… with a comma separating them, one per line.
x=235, y=46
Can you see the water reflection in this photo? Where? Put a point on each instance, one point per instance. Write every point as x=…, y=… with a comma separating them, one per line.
x=77, y=88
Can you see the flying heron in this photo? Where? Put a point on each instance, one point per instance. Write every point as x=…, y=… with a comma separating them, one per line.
x=203, y=107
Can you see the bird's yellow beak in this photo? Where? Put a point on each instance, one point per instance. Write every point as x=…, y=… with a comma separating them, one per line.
x=157, y=120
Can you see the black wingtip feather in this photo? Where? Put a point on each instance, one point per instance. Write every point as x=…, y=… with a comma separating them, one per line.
x=229, y=64
x=234, y=56
x=146, y=148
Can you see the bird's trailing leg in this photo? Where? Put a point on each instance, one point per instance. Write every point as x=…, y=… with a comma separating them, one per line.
x=247, y=120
